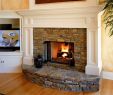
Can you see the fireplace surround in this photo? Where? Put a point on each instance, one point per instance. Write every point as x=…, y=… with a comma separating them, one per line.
x=76, y=17
x=49, y=42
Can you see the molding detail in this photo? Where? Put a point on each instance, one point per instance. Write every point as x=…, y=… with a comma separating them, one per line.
x=107, y=75
x=28, y=60
x=92, y=69
x=65, y=18
x=94, y=10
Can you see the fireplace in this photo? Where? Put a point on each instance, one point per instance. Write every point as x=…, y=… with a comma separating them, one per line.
x=77, y=25
x=66, y=46
x=59, y=52
x=79, y=18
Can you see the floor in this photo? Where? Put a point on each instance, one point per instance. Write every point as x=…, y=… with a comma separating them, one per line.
x=16, y=84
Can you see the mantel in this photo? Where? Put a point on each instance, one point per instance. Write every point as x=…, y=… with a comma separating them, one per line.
x=76, y=17
x=75, y=10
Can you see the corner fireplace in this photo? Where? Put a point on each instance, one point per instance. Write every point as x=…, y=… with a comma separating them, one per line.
x=59, y=52
x=39, y=25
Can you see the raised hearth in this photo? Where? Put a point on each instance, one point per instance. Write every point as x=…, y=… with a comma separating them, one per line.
x=63, y=79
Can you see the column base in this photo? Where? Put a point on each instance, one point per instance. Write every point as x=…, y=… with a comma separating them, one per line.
x=93, y=70
x=28, y=60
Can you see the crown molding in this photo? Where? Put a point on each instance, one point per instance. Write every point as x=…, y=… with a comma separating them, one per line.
x=75, y=10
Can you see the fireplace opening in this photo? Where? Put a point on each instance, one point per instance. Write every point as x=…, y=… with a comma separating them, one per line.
x=59, y=52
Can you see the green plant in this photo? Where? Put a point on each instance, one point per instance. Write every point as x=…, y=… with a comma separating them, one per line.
x=108, y=16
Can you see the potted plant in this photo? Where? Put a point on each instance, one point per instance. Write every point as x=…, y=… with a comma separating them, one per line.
x=108, y=16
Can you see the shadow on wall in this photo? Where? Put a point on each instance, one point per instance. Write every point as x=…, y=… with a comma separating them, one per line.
x=107, y=50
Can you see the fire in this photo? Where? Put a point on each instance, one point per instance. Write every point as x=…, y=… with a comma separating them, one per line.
x=64, y=48
x=64, y=55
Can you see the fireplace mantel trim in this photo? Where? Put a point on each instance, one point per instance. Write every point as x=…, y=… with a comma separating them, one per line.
x=75, y=18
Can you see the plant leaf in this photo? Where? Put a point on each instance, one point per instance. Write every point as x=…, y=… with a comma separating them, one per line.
x=108, y=16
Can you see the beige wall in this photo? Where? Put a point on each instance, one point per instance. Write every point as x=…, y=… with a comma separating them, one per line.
x=107, y=50
x=14, y=22
x=0, y=4
x=14, y=4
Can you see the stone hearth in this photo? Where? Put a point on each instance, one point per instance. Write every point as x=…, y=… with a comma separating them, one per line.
x=88, y=60
x=62, y=79
x=77, y=36
x=76, y=17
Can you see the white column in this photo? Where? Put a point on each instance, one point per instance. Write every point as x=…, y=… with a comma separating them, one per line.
x=93, y=52
x=28, y=45
x=27, y=40
x=99, y=42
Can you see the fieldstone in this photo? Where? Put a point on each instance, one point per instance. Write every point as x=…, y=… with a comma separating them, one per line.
x=60, y=78
x=75, y=35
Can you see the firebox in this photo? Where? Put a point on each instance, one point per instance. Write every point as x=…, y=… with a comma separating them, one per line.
x=59, y=52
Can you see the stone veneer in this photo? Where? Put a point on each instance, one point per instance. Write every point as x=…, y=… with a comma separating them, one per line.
x=62, y=79
x=75, y=35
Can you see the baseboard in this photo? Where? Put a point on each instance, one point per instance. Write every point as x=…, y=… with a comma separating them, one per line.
x=92, y=70
x=107, y=75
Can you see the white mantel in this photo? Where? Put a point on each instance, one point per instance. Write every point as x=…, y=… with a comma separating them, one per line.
x=76, y=17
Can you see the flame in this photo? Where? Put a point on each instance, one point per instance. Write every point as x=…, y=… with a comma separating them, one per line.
x=64, y=55
x=64, y=48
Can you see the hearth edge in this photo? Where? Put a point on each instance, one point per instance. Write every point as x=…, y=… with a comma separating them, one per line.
x=90, y=84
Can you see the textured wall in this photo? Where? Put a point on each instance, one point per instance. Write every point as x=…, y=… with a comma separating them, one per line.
x=76, y=35
x=107, y=50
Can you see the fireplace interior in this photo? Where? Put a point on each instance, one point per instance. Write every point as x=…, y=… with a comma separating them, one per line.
x=59, y=52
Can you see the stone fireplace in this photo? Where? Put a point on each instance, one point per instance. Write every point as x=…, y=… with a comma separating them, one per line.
x=63, y=34
x=87, y=49
x=66, y=46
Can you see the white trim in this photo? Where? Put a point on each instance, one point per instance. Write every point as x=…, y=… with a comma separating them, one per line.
x=9, y=14
x=31, y=42
x=69, y=10
x=28, y=60
x=77, y=17
x=107, y=75
x=15, y=53
x=92, y=69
